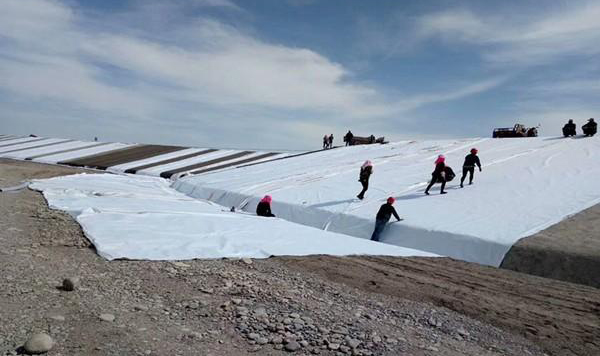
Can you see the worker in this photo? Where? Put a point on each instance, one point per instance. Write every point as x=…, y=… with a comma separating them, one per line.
x=365, y=173
x=569, y=129
x=438, y=174
x=471, y=160
x=264, y=207
x=590, y=128
x=383, y=216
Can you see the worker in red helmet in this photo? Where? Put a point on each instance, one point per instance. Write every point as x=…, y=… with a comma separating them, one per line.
x=383, y=216
x=471, y=160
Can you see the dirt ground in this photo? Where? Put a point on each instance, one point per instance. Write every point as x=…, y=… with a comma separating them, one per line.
x=568, y=251
x=308, y=305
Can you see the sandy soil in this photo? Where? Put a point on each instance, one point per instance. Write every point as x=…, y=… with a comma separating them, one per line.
x=568, y=251
x=313, y=305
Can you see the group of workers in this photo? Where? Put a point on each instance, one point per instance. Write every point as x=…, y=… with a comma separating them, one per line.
x=441, y=174
x=327, y=141
x=589, y=129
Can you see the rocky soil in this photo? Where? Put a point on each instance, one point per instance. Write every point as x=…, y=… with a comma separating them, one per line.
x=275, y=306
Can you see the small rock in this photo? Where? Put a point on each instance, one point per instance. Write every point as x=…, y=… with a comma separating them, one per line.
x=277, y=340
x=70, y=284
x=262, y=340
x=353, y=343
x=107, y=317
x=140, y=307
x=39, y=344
x=247, y=261
x=292, y=346
x=333, y=346
x=57, y=317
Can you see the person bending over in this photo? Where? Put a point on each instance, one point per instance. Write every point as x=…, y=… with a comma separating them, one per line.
x=264, y=207
x=383, y=216
x=438, y=174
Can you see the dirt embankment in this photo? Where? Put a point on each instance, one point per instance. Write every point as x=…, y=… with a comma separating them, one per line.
x=325, y=305
x=563, y=317
x=568, y=251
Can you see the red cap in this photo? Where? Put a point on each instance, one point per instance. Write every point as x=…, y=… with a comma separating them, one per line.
x=474, y=150
x=391, y=200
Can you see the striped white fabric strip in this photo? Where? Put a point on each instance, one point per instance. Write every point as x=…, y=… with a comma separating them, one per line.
x=125, y=166
x=81, y=153
x=156, y=171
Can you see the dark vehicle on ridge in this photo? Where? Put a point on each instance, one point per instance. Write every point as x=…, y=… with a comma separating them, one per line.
x=519, y=130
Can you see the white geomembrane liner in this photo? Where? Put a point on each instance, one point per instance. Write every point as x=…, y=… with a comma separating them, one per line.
x=127, y=216
x=527, y=185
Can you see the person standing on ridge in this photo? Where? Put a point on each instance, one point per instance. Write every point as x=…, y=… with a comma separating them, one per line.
x=469, y=166
x=438, y=174
x=264, y=207
x=330, y=141
x=325, y=141
x=365, y=173
x=383, y=216
x=348, y=138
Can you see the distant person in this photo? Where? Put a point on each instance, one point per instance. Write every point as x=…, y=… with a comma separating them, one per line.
x=469, y=166
x=365, y=173
x=372, y=139
x=570, y=129
x=590, y=128
x=438, y=174
x=95, y=139
x=325, y=141
x=348, y=138
x=383, y=216
x=330, y=140
x=264, y=207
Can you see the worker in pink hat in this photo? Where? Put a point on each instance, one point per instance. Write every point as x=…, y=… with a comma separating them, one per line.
x=264, y=207
x=438, y=174
x=365, y=173
x=383, y=216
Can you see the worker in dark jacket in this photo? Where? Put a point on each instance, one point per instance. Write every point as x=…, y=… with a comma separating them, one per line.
x=330, y=139
x=325, y=141
x=570, y=129
x=383, y=216
x=264, y=207
x=348, y=138
x=471, y=160
x=590, y=128
x=365, y=173
x=438, y=174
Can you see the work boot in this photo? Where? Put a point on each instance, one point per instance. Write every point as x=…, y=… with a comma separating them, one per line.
x=443, y=192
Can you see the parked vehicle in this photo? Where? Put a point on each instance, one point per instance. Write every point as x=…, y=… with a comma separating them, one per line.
x=519, y=130
x=358, y=140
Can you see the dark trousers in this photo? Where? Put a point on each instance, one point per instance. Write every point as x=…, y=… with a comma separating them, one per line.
x=379, y=226
x=365, y=185
x=434, y=179
x=471, y=171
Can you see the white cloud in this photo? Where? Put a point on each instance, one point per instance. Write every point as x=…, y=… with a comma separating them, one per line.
x=202, y=70
x=509, y=38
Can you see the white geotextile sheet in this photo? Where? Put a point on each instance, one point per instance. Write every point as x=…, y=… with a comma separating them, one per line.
x=125, y=166
x=48, y=149
x=66, y=156
x=6, y=150
x=527, y=184
x=135, y=217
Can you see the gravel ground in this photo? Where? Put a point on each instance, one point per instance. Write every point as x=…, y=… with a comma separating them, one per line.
x=213, y=307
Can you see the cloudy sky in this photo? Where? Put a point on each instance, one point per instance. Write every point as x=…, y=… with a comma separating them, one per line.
x=281, y=73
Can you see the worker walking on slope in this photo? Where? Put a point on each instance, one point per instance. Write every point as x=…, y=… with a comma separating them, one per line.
x=469, y=166
x=438, y=174
x=330, y=140
x=325, y=141
x=365, y=173
x=383, y=216
x=264, y=207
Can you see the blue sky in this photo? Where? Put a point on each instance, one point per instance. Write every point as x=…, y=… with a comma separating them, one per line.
x=280, y=74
